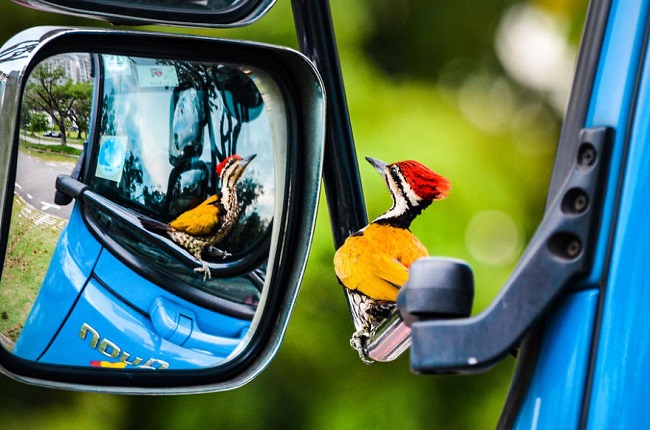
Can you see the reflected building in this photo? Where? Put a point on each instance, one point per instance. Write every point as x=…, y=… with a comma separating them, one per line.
x=77, y=66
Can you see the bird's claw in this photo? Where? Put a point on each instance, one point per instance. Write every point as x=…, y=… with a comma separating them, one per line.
x=216, y=252
x=358, y=342
x=205, y=269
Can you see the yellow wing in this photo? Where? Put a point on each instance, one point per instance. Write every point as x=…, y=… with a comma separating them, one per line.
x=202, y=220
x=376, y=261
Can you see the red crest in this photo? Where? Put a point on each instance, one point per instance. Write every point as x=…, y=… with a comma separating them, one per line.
x=223, y=164
x=426, y=183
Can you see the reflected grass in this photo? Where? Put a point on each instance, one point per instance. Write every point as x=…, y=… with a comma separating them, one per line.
x=32, y=238
x=58, y=153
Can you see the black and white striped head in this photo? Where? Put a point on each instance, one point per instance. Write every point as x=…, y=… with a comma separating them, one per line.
x=231, y=169
x=413, y=187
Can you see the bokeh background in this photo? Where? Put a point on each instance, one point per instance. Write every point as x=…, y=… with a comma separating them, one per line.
x=475, y=89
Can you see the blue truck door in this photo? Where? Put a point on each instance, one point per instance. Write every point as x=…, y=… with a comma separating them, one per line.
x=585, y=367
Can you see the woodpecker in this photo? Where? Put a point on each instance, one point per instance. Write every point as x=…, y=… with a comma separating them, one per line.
x=373, y=263
x=210, y=222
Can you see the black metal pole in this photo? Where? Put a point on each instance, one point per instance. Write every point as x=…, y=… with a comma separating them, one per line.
x=343, y=190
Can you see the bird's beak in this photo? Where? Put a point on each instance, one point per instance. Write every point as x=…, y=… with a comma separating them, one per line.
x=243, y=163
x=378, y=164
x=246, y=160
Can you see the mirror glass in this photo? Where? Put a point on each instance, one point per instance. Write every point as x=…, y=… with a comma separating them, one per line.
x=142, y=220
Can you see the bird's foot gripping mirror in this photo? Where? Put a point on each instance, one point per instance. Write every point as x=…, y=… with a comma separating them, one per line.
x=157, y=207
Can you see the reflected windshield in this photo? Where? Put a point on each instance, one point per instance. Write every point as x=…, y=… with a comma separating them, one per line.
x=163, y=130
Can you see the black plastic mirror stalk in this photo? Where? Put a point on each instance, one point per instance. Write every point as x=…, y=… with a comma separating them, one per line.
x=437, y=288
x=345, y=201
x=560, y=252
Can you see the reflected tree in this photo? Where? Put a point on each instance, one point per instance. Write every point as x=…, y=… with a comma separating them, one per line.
x=229, y=92
x=50, y=90
x=38, y=122
x=132, y=176
x=239, y=96
x=80, y=111
x=132, y=188
x=247, y=193
x=107, y=126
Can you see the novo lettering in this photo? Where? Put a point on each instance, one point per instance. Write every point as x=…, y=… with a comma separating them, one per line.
x=111, y=350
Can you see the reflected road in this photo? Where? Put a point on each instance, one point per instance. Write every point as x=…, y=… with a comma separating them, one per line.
x=35, y=179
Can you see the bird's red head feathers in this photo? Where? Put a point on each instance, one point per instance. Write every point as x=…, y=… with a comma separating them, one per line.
x=222, y=165
x=427, y=184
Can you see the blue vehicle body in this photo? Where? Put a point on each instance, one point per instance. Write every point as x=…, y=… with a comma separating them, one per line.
x=592, y=370
x=93, y=310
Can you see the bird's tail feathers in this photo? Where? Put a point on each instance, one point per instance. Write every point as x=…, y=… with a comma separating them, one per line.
x=154, y=226
x=380, y=309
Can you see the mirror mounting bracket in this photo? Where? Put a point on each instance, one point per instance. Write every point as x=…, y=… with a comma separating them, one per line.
x=561, y=252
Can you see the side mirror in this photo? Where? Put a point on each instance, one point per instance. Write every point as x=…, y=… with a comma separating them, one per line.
x=158, y=202
x=205, y=13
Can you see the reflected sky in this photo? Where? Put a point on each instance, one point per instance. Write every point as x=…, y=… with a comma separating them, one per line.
x=142, y=105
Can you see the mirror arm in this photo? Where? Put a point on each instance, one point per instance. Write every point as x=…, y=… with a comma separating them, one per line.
x=70, y=187
x=345, y=200
x=561, y=252
x=65, y=198
x=387, y=341
x=73, y=188
x=438, y=287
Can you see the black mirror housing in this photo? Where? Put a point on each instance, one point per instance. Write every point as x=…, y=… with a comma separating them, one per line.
x=288, y=90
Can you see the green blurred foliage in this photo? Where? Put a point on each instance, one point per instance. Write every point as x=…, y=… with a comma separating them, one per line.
x=453, y=32
x=440, y=34
x=494, y=140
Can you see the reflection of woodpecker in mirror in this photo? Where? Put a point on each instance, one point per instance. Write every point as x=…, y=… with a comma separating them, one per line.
x=210, y=222
x=374, y=262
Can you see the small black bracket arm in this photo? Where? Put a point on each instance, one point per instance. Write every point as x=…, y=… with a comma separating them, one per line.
x=561, y=252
